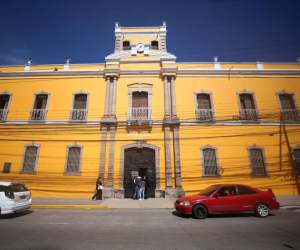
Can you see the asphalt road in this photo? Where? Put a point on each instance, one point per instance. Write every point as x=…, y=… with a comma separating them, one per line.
x=60, y=229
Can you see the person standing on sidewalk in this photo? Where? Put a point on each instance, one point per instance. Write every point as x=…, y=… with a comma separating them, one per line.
x=143, y=186
x=99, y=187
x=137, y=194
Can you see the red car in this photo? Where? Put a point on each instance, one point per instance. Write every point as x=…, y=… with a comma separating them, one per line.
x=228, y=198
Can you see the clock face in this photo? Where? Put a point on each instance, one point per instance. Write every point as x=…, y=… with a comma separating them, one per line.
x=140, y=47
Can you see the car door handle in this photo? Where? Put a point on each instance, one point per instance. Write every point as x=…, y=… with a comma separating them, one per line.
x=235, y=198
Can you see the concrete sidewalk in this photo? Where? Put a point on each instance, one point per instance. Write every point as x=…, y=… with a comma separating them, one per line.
x=111, y=203
x=114, y=203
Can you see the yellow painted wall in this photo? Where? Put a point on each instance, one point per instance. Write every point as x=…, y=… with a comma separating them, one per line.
x=230, y=140
x=148, y=29
x=137, y=66
x=138, y=39
x=238, y=66
x=12, y=68
x=60, y=99
x=47, y=67
x=87, y=66
x=281, y=66
x=225, y=98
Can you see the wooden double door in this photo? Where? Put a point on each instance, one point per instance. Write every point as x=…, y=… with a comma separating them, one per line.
x=139, y=162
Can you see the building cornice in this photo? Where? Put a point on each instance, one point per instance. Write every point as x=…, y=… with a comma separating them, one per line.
x=182, y=72
x=156, y=122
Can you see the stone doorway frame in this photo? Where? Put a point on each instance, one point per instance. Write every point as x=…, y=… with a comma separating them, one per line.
x=139, y=144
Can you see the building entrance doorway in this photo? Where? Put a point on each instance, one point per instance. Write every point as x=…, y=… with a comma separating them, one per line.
x=139, y=162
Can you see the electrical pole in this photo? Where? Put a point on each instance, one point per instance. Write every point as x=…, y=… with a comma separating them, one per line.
x=291, y=157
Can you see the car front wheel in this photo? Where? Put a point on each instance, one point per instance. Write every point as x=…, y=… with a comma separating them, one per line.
x=261, y=210
x=200, y=211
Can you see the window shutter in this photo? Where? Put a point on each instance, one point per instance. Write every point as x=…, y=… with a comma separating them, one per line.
x=257, y=162
x=80, y=102
x=44, y=102
x=30, y=159
x=73, y=160
x=210, y=163
x=140, y=100
x=297, y=160
x=40, y=102
x=203, y=102
x=287, y=102
x=4, y=99
x=247, y=101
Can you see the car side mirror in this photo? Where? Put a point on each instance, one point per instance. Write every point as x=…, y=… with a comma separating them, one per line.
x=216, y=195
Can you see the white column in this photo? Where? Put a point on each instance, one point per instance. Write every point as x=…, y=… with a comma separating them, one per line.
x=106, y=109
x=114, y=99
x=111, y=96
x=103, y=152
x=167, y=96
x=177, y=157
x=168, y=158
x=174, y=113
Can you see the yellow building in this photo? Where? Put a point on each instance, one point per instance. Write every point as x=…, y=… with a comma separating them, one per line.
x=181, y=126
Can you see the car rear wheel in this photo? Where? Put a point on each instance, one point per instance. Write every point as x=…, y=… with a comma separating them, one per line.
x=261, y=210
x=200, y=211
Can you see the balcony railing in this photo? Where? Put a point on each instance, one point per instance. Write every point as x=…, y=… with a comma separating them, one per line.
x=3, y=114
x=139, y=114
x=38, y=114
x=249, y=114
x=290, y=115
x=205, y=115
x=78, y=114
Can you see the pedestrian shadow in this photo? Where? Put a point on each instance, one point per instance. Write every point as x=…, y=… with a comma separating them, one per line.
x=15, y=215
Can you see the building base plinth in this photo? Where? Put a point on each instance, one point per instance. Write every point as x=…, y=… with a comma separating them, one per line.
x=174, y=192
x=108, y=192
x=119, y=193
x=159, y=193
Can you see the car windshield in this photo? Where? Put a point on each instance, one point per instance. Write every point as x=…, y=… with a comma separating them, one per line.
x=18, y=188
x=208, y=191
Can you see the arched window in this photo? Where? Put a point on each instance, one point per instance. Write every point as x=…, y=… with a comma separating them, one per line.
x=30, y=158
x=73, y=159
x=139, y=105
x=39, y=107
x=126, y=45
x=209, y=161
x=247, y=104
x=204, y=106
x=4, y=105
x=4, y=99
x=154, y=45
x=79, y=108
x=288, y=106
x=257, y=161
x=287, y=101
x=296, y=158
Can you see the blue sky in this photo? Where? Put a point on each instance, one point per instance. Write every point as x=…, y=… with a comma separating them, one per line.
x=48, y=31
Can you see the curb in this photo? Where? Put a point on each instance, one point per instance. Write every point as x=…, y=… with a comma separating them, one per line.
x=72, y=206
x=93, y=207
